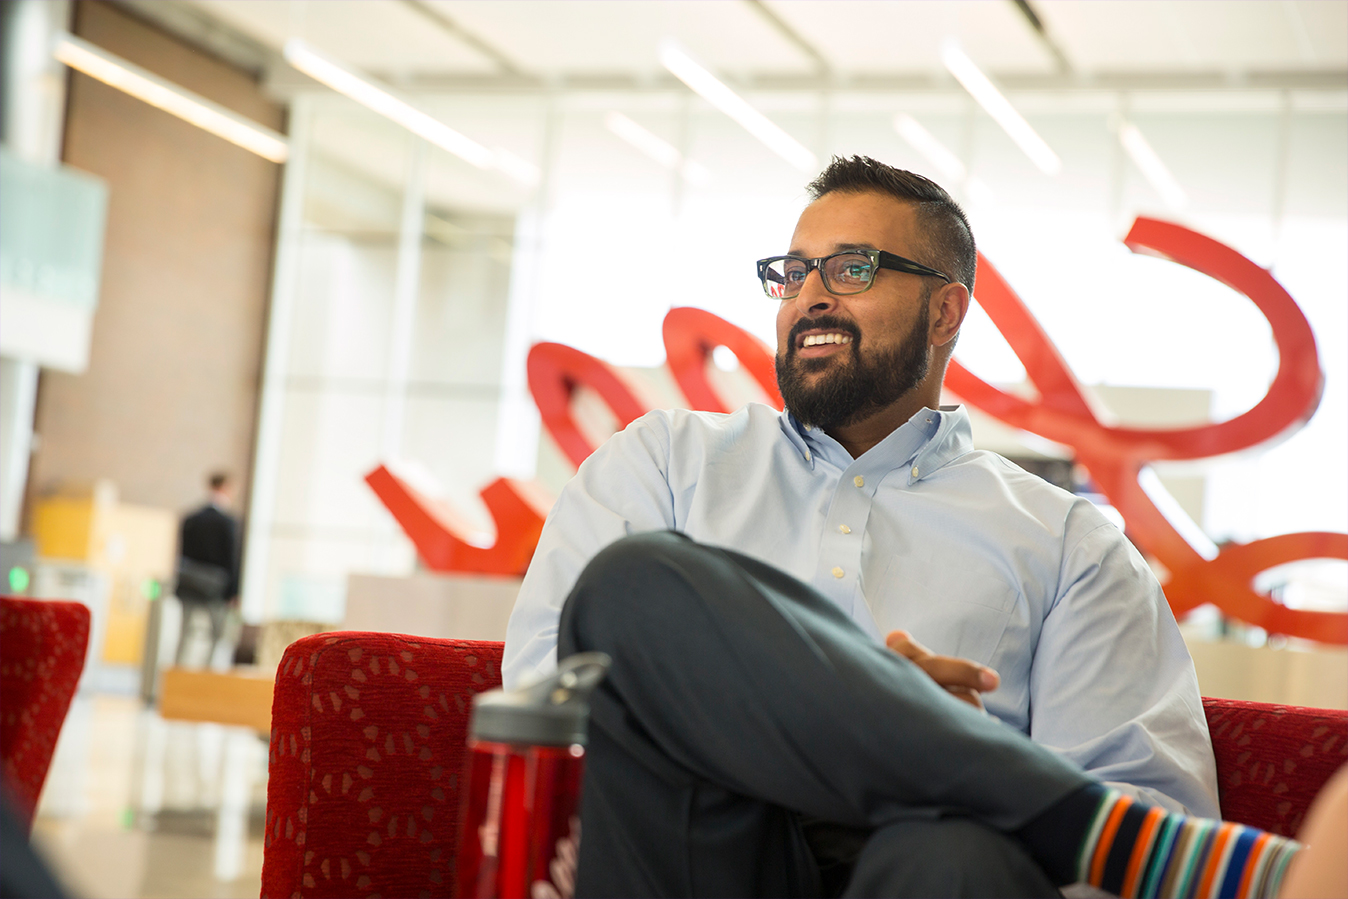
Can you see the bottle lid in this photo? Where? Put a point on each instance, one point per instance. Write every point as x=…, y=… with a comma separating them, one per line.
x=549, y=712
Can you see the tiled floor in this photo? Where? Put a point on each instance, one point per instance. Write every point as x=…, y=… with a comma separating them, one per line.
x=138, y=806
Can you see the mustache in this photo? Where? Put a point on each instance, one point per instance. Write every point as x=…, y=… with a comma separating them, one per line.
x=824, y=322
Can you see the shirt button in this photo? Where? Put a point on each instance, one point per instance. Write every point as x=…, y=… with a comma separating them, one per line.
x=844, y=529
x=837, y=572
x=859, y=481
x=807, y=456
x=914, y=471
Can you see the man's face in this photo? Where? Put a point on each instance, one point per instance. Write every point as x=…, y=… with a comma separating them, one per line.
x=866, y=350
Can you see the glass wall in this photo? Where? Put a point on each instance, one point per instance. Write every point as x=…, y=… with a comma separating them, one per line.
x=591, y=242
x=395, y=315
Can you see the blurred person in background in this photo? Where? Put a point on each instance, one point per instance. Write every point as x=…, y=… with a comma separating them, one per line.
x=208, y=564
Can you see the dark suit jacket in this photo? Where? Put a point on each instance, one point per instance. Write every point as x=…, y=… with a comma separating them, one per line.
x=212, y=536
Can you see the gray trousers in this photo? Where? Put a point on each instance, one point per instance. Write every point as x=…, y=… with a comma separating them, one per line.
x=217, y=611
x=751, y=740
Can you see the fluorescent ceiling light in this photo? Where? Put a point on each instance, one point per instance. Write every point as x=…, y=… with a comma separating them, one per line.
x=947, y=163
x=380, y=98
x=1153, y=169
x=935, y=152
x=522, y=170
x=162, y=94
x=656, y=148
x=707, y=86
x=366, y=92
x=1001, y=110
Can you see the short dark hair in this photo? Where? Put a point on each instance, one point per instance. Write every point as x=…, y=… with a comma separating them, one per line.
x=218, y=479
x=949, y=238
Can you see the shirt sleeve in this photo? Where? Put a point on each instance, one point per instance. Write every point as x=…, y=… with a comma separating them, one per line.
x=1112, y=685
x=621, y=489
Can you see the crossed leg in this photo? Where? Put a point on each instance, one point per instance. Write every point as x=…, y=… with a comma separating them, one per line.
x=741, y=703
x=739, y=700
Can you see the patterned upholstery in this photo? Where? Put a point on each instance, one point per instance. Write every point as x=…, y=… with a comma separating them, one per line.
x=367, y=744
x=42, y=645
x=1273, y=759
x=367, y=747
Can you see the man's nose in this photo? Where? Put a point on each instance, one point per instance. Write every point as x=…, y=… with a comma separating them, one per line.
x=814, y=298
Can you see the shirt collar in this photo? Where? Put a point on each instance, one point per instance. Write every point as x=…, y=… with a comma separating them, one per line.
x=950, y=437
x=929, y=441
x=795, y=432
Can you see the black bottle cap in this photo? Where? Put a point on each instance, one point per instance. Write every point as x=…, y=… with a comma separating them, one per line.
x=550, y=712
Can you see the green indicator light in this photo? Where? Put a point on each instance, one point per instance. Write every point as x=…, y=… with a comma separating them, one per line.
x=18, y=579
x=150, y=589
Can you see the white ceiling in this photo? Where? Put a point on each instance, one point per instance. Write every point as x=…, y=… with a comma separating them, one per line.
x=1126, y=35
x=494, y=69
x=409, y=40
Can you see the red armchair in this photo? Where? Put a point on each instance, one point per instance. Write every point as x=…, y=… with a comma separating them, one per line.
x=1273, y=759
x=368, y=742
x=42, y=646
x=367, y=746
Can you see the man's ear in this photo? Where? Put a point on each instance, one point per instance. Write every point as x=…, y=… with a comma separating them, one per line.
x=949, y=305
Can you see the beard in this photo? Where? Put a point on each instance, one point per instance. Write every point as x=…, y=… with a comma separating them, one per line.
x=857, y=387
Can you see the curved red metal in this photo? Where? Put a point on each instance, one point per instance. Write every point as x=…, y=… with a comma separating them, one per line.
x=444, y=539
x=1115, y=456
x=690, y=337
x=555, y=371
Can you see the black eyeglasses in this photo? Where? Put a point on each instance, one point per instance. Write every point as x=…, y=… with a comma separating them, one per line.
x=848, y=272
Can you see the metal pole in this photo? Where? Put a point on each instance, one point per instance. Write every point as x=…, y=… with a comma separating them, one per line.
x=406, y=290
x=254, y=603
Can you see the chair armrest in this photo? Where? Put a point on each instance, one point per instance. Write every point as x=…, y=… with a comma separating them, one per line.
x=368, y=741
x=43, y=644
x=1273, y=759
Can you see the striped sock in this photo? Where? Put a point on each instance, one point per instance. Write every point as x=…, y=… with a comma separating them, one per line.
x=1137, y=850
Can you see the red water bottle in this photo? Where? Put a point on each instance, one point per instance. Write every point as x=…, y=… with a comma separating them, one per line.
x=519, y=832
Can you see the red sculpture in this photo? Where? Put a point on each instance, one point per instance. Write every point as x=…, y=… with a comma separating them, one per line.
x=690, y=337
x=444, y=539
x=1115, y=457
x=555, y=371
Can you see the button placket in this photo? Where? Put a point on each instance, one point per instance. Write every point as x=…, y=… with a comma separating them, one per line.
x=842, y=542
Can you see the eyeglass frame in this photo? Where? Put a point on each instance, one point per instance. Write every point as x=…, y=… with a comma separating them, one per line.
x=879, y=259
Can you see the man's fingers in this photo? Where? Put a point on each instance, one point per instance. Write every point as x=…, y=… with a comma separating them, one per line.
x=951, y=672
x=903, y=643
x=947, y=671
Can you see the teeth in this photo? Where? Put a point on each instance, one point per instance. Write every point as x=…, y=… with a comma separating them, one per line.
x=816, y=339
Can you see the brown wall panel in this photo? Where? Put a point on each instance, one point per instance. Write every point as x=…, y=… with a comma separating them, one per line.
x=175, y=364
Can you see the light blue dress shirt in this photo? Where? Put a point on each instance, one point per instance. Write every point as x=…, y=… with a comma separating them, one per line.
x=969, y=553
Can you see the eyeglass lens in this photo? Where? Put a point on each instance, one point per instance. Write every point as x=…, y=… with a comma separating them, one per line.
x=843, y=273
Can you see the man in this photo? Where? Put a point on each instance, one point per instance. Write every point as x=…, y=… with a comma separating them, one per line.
x=755, y=735
x=208, y=564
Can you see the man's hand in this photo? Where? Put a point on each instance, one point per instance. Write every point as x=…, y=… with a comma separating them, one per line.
x=964, y=679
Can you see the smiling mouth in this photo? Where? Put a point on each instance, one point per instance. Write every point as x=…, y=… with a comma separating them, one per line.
x=821, y=339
